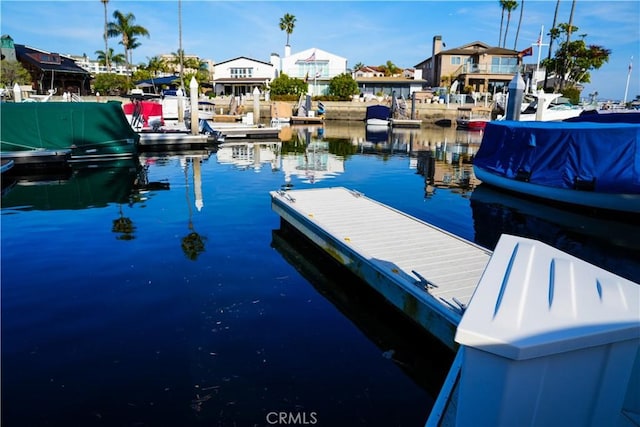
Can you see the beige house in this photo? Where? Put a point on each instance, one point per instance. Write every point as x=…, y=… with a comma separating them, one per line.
x=476, y=65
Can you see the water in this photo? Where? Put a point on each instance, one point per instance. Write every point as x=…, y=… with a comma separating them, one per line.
x=165, y=291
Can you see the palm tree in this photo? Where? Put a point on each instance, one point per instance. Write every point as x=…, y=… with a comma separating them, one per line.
x=109, y=57
x=358, y=66
x=287, y=23
x=155, y=65
x=553, y=34
x=515, y=42
x=124, y=27
x=509, y=6
x=180, y=44
x=501, y=21
x=106, y=45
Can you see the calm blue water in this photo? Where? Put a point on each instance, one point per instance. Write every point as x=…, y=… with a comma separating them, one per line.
x=165, y=293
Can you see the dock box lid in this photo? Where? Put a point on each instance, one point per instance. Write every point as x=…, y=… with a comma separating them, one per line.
x=534, y=300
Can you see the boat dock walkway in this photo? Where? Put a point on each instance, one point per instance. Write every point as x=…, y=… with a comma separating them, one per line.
x=426, y=272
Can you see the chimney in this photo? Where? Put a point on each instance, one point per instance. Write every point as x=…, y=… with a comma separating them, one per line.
x=437, y=45
x=435, y=63
x=287, y=51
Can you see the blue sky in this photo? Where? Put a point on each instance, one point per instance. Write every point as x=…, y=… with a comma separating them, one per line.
x=371, y=32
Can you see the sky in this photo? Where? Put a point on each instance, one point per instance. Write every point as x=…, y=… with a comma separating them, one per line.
x=368, y=32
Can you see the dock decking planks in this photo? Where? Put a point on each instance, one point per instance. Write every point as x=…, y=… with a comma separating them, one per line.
x=374, y=240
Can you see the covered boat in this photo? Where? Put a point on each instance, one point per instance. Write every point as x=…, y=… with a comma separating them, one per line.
x=73, y=131
x=378, y=115
x=596, y=165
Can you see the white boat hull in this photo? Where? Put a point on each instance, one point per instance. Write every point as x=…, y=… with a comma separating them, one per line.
x=377, y=122
x=607, y=201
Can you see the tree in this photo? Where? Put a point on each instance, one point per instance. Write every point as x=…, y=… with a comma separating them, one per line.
x=515, y=42
x=109, y=58
x=124, y=27
x=155, y=65
x=389, y=68
x=343, y=86
x=553, y=34
x=12, y=72
x=287, y=23
x=105, y=35
x=574, y=59
x=110, y=84
x=358, y=66
x=501, y=22
x=284, y=85
x=509, y=6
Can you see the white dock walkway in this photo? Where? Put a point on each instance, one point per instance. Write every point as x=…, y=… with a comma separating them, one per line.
x=426, y=272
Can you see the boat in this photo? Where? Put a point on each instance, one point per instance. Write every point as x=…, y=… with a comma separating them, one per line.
x=144, y=112
x=445, y=123
x=546, y=337
x=6, y=165
x=581, y=164
x=607, y=116
x=378, y=115
x=473, y=118
x=41, y=132
x=545, y=108
x=206, y=110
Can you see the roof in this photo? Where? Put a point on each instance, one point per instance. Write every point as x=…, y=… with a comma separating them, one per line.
x=48, y=61
x=243, y=57
x=166, y=80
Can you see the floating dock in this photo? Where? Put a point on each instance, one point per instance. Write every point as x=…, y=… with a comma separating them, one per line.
x=306, y=120
x=405, y=123
x=424, y=271
x=173, y=138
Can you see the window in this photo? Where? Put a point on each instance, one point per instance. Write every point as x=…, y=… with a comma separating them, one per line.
x=456, y=60
x=241, y=73
x=503, y=65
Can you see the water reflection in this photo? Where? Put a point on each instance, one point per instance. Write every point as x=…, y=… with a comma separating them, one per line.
x=79, y=186
x=606, y=242
x=409, y=346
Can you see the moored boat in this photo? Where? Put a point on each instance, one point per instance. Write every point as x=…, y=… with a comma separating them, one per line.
x=378, y=115
x=473, y=118
x=583, y=164
x=33, y=132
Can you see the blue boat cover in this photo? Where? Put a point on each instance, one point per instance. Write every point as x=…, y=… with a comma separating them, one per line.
x=617, y=117
x=564, y=154
x=378, y=112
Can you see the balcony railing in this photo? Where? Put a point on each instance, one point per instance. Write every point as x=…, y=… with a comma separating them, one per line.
x=488, y=69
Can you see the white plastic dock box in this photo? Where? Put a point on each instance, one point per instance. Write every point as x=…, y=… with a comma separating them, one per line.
x=549, y=340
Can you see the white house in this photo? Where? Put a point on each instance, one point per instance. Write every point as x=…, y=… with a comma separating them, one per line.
x=239, y=76
x=314, y=65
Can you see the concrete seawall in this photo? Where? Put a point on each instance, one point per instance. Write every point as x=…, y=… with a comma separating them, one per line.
x=334, y=110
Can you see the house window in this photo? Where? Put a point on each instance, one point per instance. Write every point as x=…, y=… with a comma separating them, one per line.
x=456, y=60
x=241, y=73
x=503, y=65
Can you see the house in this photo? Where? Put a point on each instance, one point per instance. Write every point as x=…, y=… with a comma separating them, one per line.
x=316, y=66
x=239, y=76
x=477, y=65
x=373, y=81
x=48, y=70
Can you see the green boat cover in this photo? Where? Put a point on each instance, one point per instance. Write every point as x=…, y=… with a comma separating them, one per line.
x=63, y=125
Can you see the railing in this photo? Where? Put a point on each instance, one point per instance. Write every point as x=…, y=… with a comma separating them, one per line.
x=488, y=69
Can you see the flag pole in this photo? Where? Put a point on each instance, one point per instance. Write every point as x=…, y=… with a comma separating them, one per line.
x=539, y=44
x=626, y=89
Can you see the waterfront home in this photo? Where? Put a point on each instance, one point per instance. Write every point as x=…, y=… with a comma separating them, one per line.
x=478, y=65
x=240, y=76
x=316, y=66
